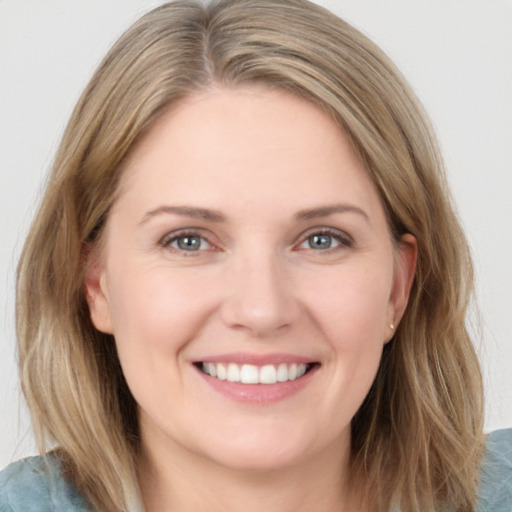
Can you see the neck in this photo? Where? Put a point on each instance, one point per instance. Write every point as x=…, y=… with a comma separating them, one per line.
x=185, y=482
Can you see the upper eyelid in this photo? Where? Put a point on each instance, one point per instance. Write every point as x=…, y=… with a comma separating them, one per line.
x=343, y=235
x=173, y=235
x=196, y=231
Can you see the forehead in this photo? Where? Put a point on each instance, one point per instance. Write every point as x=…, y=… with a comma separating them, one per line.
x=252, y=145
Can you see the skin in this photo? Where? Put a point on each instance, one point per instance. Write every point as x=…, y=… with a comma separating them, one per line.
x=257, y=285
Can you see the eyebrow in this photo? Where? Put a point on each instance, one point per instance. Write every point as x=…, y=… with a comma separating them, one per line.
x=324, y=211
x=185, y=211
x=217, y=216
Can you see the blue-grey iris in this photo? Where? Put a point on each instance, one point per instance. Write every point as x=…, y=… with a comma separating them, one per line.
x=189, y=243
x=320, y=241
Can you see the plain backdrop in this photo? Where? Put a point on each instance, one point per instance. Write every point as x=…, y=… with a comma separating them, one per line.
x=456, y=54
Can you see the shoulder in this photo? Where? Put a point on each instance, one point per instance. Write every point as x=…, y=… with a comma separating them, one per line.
x=37, y=484
x=495, y=493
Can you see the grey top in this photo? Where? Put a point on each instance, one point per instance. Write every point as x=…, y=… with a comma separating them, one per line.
x=36, y=484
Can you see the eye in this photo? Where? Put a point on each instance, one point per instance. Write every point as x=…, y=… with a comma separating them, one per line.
x=326, y=239
x=186, y=242
x=321, y=241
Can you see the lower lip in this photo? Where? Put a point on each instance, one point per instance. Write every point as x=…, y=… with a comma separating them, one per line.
x=259, y=393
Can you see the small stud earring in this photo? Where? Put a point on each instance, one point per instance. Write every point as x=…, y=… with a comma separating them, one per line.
x=392, y=327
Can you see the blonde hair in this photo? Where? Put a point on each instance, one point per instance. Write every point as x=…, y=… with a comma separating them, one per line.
x=417, y=439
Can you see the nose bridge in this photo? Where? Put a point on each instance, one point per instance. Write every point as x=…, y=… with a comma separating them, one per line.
x=261, y=296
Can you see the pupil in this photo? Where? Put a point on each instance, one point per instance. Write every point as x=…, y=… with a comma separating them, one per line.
x=320, y=241
x=189, y=243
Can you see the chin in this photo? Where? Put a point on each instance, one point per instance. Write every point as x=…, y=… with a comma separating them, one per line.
x=258, y=460
x=264, y=451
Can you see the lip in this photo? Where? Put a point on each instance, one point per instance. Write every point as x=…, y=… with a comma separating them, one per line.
x=260, y=394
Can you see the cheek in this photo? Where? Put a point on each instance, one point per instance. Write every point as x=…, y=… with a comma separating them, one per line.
x=154, y=317
x=351, y=306
x=153, y=306
x=351, y=310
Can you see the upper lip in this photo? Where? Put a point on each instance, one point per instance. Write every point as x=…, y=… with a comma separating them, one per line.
x=256, y=359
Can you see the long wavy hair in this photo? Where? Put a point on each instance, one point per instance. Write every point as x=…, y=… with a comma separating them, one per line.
x=417, y=439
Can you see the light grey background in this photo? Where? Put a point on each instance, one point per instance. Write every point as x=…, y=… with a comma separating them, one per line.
x=456, y=54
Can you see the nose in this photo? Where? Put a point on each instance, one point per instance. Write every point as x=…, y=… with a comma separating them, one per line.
x=260, y=297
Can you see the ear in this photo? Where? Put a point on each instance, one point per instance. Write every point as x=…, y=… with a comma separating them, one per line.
x=405, y=266
x=96, y=292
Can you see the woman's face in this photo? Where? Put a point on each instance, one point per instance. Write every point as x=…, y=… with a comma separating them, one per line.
x=248, y=243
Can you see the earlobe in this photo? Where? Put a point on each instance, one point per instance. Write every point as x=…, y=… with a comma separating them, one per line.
x=96, y=294
x=405, y=266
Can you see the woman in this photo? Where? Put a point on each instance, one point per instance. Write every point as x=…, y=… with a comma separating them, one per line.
x=245, y=286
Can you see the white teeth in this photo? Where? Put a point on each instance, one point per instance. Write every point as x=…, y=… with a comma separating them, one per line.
x=222, y=373
x=282, y=373
x=252, y=374
x=268, y=374
x=233, y=373
x=212, y=370
x=249, y=374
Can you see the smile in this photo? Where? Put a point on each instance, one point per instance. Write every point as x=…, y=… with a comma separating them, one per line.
x=253, y=374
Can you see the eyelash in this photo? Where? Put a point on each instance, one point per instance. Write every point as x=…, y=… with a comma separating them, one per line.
x=344, y=240
x=170, y=238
